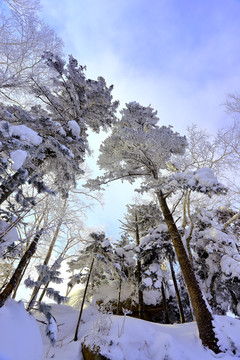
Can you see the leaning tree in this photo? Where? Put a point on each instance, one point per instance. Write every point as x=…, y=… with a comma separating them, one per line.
x=138, y=148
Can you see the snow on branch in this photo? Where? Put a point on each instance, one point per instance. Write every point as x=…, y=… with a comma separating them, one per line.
x=202, y=180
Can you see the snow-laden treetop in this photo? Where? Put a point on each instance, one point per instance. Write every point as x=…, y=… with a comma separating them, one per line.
x=138, y=147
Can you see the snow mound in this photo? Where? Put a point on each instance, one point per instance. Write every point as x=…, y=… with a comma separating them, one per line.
x=66, y=318
x=20, y=337
x=125, y=338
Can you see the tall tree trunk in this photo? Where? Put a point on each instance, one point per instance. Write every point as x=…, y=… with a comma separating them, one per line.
x=20, y=279
x=191, y=228
x=43, y=292
x=202, y=314
x=17, y=273
x=83, y=301
x=119, y=296
x=46, y=261
x=164, y=303
x=37, y=224
x=180, y=307
x=139, y=276
x=184, y=222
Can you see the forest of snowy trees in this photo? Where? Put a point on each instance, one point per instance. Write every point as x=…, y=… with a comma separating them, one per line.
x=177, y=258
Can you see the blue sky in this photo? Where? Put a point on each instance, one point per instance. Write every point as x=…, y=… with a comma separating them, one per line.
x=182, y=57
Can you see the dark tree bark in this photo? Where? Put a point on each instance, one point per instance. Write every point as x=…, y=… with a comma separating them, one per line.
x=180, y=307
x=119, y=296
x=20, y=268
x=28, y=262
x=20, y=279
x=46, y=261
x=83, y=301
x=139, y=277
x=11, y=185
x=202, y=314
x=164, y=304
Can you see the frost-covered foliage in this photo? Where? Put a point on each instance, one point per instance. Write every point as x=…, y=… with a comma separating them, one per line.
x=202, y=180
x=124, y=250
x=52, y=136
x=8, y=235
x=47, y=274
x=51, y=328
x=141, y=217
x=138, y=147
x=217, y=261
x=157, y=263
x=24, y=38
x=154, y=249
x=106, y=267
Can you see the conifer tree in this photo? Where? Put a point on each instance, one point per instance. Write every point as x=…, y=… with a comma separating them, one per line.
x=158, y=256
x=216, y=260
x=52, y=136
x=139, y=149
x=94, y=262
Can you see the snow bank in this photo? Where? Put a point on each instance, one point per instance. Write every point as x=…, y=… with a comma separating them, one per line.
x=66, y=318
x=20, y=337
x=127, y=338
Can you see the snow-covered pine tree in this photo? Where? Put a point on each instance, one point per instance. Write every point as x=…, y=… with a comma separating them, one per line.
x=139, y=149
x=124, y=250
x=217, y=261
x=46, y=274
x=97, y=264
x=158, y=258
x=52, y=136
x=137, y=221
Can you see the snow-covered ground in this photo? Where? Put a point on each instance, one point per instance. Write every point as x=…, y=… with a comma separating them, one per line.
x=126, y=338
x=119, y=337
x=20, y=338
